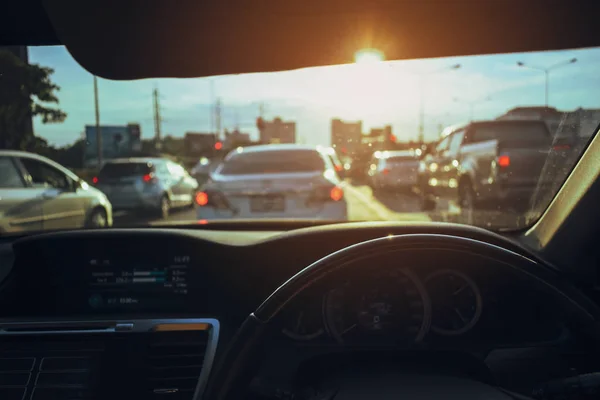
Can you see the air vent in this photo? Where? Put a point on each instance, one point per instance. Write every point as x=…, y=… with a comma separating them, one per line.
x=152, y=359
x=174, y=362
x=55, y=367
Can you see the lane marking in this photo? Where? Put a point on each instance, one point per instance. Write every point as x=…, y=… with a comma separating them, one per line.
x=368, y=202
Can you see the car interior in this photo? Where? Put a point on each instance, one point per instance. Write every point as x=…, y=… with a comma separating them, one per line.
x=261, y=309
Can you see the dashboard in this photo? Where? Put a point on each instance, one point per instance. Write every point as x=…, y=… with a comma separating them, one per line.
x=123, y=284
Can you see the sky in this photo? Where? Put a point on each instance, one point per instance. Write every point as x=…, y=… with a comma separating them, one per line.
x=377, y=93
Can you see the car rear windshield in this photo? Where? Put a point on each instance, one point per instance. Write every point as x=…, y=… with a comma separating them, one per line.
x=273, y=162
x=119, y=170
x=513, y=132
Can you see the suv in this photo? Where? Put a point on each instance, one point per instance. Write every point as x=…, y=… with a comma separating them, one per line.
x=39, y=194
x=146, y=184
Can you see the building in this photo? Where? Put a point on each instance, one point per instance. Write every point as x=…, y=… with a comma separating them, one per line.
x=236, y=138
x=380, y=138
x=199, y=144
x=277, y=131
x=345, y=136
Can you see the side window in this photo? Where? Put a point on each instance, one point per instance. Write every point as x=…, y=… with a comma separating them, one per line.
x=455, y=142
x=443, y=145
x=10, y=177
x=44, y=175
x=176, y=169
x=161, y=169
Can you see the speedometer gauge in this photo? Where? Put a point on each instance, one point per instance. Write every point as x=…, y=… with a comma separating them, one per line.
x=455, y=300
x=388, y=308
x=302, y=326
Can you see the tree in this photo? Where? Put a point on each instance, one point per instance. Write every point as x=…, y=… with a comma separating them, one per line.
x=26, y=91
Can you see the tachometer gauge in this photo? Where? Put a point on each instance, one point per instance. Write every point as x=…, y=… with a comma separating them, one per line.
x=388, y=308
x=303, y=326
x=455, y=302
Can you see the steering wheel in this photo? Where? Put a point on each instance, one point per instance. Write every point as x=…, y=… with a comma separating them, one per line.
x=232, y=375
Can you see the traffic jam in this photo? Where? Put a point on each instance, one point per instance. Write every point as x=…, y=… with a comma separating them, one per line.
x=499, y=171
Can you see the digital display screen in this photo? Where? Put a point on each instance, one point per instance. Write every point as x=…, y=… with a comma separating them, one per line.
x=125, y=283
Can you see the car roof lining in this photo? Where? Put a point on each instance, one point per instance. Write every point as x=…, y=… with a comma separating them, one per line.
x=134, y=39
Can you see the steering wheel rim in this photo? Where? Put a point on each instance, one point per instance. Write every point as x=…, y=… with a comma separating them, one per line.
x=233, y=372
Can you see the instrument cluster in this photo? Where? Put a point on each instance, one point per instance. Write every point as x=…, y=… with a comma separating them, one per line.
x=393, y=306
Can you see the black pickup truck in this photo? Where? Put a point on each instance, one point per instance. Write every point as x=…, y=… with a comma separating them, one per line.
x=489, y=164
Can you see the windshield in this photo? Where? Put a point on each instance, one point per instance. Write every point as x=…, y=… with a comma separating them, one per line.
x=480, y=140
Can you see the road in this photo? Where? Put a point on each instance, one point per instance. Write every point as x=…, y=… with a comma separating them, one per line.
x=365, y=205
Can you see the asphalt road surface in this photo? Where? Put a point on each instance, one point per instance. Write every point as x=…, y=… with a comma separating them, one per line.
x=366, y=205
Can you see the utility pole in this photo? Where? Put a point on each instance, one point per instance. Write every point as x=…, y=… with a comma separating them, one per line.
x=98, y=132
x=422, y=77
x=212, y=110
x=157, y=119
x=218, y=118
x=237, y=119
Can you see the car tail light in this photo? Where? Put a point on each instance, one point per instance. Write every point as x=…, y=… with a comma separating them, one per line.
x=504, y=161
x=149, y=178
x=213, y=198
x=201, y=198
x=95, y=180
x=326, y=193
x=339, y=168
x=336, y=193
x=385, y=171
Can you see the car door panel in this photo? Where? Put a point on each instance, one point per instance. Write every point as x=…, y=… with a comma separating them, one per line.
x=20, y=205
x=62, y=207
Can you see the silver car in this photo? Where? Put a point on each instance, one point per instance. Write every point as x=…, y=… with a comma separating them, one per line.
x=394, y=170
x=274, y=181
x=39, y=194
x=146, y=184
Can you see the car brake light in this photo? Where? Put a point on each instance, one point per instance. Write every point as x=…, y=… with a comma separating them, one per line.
x=504, y=161
x=95, y=180
x=201, y=198
x=385, y=171
x=149, y=178
x=336, y=193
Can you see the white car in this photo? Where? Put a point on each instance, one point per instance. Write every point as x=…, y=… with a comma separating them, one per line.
x=38, y=194
x=274, y=181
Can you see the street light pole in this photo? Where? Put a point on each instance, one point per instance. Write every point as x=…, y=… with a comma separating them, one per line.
x=98, y=133
x=421, y=109
x=421, y=138
x=546, y=71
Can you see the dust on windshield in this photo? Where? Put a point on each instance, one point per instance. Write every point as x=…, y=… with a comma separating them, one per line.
x=485, y=140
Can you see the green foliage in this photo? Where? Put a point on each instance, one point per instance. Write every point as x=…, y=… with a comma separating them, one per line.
x=26, y=91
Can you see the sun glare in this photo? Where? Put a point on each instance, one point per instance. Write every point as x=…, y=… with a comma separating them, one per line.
x=368, y=56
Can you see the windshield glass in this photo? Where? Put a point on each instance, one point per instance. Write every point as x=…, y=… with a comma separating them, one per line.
x=480, y=140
